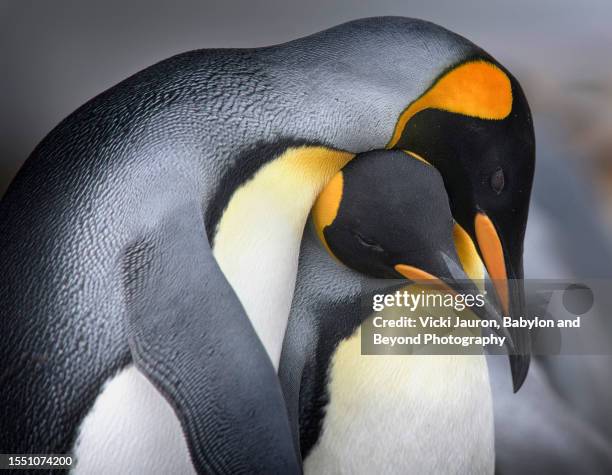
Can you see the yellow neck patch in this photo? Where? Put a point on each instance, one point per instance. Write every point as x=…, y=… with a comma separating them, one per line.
x=258, y=237
x=476, y=89
x=286, y=186
x=326, y=207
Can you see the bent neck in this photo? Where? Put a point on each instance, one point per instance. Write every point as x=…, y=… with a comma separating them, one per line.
x=258, y=236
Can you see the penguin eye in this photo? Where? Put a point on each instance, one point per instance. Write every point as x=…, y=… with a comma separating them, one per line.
x=498, y=181
x=367, y=242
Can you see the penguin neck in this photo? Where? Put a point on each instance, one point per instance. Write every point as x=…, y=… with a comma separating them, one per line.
x=405, y=413
x=258, y=236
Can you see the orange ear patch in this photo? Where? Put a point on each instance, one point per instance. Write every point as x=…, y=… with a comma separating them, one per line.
x=476, y=89
x=326, y=206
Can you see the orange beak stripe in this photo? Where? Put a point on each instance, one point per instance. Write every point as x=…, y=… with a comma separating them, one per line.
x=418, y=275
x=493, y=256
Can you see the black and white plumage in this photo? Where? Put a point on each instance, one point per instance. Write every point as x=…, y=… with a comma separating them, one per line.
x=127, y=247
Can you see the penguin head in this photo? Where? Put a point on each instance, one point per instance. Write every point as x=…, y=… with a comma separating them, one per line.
x=386, y=214
x=474, y=126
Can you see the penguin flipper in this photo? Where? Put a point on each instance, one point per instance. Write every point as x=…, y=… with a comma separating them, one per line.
x=297, y=347
x=189, y=334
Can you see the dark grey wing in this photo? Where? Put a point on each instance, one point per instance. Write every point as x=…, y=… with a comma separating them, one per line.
x=190, y=335
x=301, y=371
x=294, y=357
x=298, y=352
x=325, y=309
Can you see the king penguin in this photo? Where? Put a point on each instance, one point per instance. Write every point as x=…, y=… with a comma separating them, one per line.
x=149, y=245
x=417, y=413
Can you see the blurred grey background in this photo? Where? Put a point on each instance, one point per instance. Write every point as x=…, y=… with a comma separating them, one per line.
x=55, y=55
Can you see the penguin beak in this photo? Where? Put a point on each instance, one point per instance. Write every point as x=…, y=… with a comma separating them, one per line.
x=507, y=281
x=450, y=278
x=493, y=255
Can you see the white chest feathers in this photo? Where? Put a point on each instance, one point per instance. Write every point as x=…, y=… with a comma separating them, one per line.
x=413, y=414
x=258, y=237
x=131, y=429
